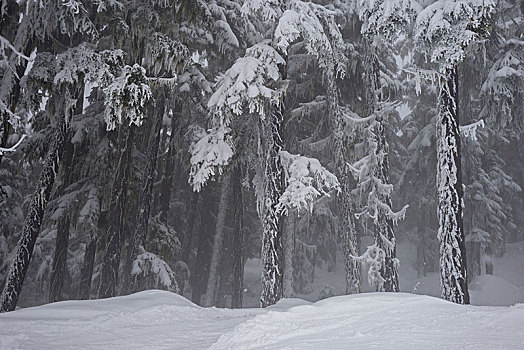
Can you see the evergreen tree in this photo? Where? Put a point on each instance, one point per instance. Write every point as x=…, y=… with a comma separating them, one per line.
x=447, y=42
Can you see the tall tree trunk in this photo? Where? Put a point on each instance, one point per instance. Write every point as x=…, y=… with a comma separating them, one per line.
x=272, y=254
x=288, y=236
x=59, y=269
x=238, y=241
x=453, y=276
x=166, y=187
x=384, y=235
x=340, y=146
x=212, y=282
x=146, y=197
x=86, y=272
x=201, y=264
x=194, y=206
x=383, y=230
x=488, y=259
x=111, y=259
x=24, y=251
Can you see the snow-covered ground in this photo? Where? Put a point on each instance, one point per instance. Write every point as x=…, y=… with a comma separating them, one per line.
x=162, y=320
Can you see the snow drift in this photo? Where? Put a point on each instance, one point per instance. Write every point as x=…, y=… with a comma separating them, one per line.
x=163, y=320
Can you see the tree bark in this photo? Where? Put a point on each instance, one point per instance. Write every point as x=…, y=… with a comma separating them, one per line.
x=272, y=252
x=238, y=241
x=111, y=259
x=212, y=282
x=194, y=205
x=289, y=248
x=453, y=275
x=167, y=181
x=86, y=272
x=59, y=269
x=201, y=265
x=146, y=197
x=383, y=224
x=24, y=251
x=340, y=144
x=384, y=235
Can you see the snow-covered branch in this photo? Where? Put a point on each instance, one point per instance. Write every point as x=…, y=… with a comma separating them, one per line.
x=471, y=129
x=249, y=82
x=384, y=17
x=306, y=180
x=210, y=155
x=12, y=148
x=126, y=97
x=4, y=43
x=147, y=263
x=447, y=27
x=317, y=26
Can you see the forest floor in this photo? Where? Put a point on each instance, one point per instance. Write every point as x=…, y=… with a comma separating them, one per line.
x=163, y=320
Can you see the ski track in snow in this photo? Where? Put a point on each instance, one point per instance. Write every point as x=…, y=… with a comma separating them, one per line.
x=163, y=320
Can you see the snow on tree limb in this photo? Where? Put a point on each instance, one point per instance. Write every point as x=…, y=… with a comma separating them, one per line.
x=270, y=9
x=316, y=24
x=14, y=119
x=306, y=179
x=12, y=148
x=250, y=83
x=83, y=60
x=386, y=17
x=247, y=83
x=210, y=155
x=165, y=55
x=470, y=130
x=126, y=97
x=4, y=43
x=147, y=263
x=447, y=27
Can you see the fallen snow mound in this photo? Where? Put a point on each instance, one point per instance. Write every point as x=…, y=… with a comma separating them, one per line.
x=162, y=320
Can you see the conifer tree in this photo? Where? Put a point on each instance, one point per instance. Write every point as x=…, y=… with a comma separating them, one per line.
x=446, y=42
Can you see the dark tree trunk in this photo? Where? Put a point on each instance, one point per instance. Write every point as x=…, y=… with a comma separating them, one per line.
x=59, y=269
x=422, y=263
x=86, y=273
x=195, y=201
x=146, y=197
x=288, y=243
x=218, y=242
x=24, y=251
x=340, y=146
x=453, y=263
x=111, y=259
x=237, y=287
x=489, y=260
x=474, y=255
x=201, y=264
x=166, y=187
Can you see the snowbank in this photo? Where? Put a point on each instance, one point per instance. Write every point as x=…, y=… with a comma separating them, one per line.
x=162, y=320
